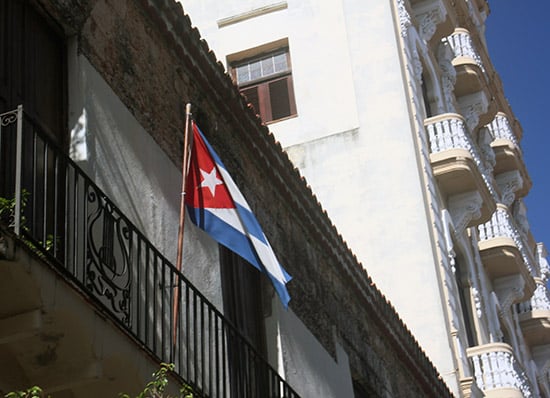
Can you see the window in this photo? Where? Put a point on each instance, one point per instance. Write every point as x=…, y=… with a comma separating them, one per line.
x=266, y=82
x=32, y=67
x=465, y=303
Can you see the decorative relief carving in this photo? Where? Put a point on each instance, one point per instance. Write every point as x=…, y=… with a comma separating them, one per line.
x=428, y=24
x=487, y=153
x=472, y=106
x=429, y=14
x=544, y=267
x=477, y=301
x=448, y=74
x=416, y=66
x=509, y=183
x=519, y=212
x=509, y=296
x=465, y=208
x=404, y=18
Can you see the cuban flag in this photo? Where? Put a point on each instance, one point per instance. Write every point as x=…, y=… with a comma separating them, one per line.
x=216, y=205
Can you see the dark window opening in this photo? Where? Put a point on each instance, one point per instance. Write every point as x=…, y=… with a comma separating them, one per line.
x=241, y=286
x=266, y=82
x=425, y=98
x=466, y=305
x=32, y=67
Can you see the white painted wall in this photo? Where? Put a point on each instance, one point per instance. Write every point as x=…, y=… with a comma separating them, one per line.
x=306, y=365
x=127, y=164
x=353, y=140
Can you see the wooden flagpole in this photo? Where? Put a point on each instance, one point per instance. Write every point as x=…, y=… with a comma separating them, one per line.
x=179, y=258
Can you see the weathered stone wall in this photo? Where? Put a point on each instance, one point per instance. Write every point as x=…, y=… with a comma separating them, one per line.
x=150, y=56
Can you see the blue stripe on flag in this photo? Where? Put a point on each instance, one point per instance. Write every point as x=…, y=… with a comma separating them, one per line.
x=234, y=240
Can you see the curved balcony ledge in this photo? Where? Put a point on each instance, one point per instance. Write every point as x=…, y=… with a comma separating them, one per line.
x=456, y=163
x=508, y=157
x=508, y=154
x=503, y=254
x=469, y=76
x=534, y=316
x=501, y=257
x=456, y=173
x=535, y=326
x=470, y=73
x=497, y=372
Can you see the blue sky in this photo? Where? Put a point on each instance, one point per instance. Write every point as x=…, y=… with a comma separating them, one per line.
x=517, y=40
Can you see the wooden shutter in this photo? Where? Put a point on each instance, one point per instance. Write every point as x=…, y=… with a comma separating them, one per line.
x=253, y=98
x=32, y=67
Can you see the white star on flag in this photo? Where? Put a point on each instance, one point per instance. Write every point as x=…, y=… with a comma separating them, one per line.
x=210, y=180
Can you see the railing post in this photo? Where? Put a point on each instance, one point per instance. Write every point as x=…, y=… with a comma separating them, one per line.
x=18, y=166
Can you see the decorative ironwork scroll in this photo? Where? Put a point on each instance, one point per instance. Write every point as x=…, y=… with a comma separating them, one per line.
x=109, y=240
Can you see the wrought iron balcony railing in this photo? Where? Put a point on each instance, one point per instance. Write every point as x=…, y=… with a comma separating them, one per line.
x=63, y=215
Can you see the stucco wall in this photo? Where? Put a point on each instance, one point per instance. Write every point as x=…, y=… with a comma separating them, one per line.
x=148, y=57
x=353, y=140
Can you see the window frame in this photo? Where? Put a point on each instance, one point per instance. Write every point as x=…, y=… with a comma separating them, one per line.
x=264, y=107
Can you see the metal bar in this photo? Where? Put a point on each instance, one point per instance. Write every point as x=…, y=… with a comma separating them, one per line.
x=138, y=289
x=18, y=167
x=55, y=203
x=75, y=226
x=147, y=294
x=45, y=202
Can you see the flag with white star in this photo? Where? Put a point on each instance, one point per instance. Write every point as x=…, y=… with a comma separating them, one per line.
x=216, y=205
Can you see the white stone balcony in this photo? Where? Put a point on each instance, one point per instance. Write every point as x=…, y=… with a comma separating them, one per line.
x=468, y=64
x=506, y=258
x=508, y=154
x=471, y=86
x=498, y=373
x=457, y=164
x=534, y=314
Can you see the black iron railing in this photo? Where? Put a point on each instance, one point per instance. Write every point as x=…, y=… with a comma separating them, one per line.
x=59, y=212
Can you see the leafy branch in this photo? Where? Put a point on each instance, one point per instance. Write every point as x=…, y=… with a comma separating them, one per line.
x=154, y=389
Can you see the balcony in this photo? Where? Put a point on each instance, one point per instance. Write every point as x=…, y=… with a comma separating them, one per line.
x=471, y=86
x=534, y=316
x=85, y=298
x=470, y=73
x=497, y=373
x=504, y=255
x=507, y=150
x=457, y=164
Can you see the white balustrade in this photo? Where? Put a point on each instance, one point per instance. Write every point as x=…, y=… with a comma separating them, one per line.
x=500, y=128
x=496, y=367
x=448, y=131
x=539, y=301
x=462, y=46
x=502, y=225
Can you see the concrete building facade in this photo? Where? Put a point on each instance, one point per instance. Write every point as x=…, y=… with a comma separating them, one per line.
x=92, y=110
x=394, y=114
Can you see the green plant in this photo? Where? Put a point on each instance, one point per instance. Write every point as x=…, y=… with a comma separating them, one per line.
x=7, y=208
x=33, y=392
x=155, y=388
x=7, y=211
